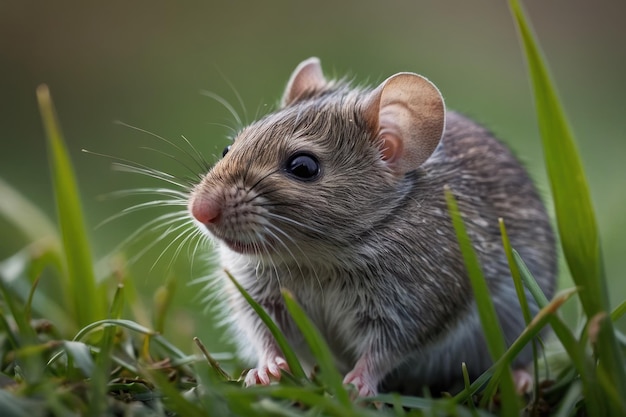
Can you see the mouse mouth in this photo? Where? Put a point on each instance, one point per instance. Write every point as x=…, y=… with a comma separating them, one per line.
x=242, y=247
x=249, y=248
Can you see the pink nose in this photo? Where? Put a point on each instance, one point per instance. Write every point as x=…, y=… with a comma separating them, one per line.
x=205, y=210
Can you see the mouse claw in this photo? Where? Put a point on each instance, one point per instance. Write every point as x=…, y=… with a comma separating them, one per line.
x=263, y=374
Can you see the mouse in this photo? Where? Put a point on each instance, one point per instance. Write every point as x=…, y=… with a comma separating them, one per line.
x=338, y=197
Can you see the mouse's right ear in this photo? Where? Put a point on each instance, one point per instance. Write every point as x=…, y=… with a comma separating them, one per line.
x=307, y=78
x=407, y=114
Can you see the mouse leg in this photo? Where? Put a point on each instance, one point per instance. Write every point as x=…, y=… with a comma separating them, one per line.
x=361, y=377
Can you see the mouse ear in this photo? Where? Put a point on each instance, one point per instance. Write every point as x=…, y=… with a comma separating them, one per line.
x=305, y=79
x=408, y=114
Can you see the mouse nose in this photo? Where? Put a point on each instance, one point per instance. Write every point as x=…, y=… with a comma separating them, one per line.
x=205, y=210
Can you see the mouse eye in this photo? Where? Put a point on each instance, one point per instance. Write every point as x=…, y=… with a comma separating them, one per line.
x=225, y=151
x=303, y=166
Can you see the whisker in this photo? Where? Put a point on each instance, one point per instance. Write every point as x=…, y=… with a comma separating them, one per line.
x=126, y=165
x=279, y=240
x=149, y=172
x=187, y=231
x=199, y=162
x=204, y=164
x=142, y=206
x=234, y=90
x=304, y=254
x=161, y=221
x=233, y=131
x=155, y=203
x=294, y=222
x=265, y=244
x=256, y=184
x=193, y=234
x=194, y=173
x=171, y=229
x=168, y=192
x=224, y=103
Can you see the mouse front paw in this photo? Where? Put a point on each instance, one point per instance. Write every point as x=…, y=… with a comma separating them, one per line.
x=362, y=382
x=267, y=369
x=523, y=381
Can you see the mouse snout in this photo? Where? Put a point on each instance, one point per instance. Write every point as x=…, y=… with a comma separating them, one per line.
x=205, y=210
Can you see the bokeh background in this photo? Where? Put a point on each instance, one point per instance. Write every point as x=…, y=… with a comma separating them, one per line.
x=146, y=62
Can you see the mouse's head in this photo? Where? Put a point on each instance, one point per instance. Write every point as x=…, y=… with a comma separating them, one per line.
x=307, y=180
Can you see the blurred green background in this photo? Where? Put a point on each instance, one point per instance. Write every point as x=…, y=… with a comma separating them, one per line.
x=145, y=63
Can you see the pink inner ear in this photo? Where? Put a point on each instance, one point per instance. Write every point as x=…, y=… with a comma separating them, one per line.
x=390, y=147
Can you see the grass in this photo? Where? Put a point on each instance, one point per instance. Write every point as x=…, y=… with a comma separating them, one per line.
x=66, y=349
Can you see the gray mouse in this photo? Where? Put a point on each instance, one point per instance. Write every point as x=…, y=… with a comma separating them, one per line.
x=338, y=197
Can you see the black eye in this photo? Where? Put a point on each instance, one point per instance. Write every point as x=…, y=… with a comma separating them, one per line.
x=303, y=166
x=225, y=151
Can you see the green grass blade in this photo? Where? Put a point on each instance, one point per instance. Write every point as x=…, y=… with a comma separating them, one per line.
x=576, y=222
x=26, y=332
x=163, y=297
x=88, y=303
x=515, y=273
x=574, y=348
x=570, y=401
x=281, y=340
x=529, y=280
x=521, y=295
x=319, y=349
x=128, y=324
x=9, y=334
x=100, y=376
x=81, y=357
x=486, y=309
x=618, y=311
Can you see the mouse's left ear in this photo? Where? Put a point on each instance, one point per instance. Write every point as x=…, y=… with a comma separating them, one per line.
x=307, y=78
x=407, y=113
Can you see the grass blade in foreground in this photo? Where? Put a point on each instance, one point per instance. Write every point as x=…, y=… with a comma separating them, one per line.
x=576, y=222
x=521, y=295
x=88, y=304
x=319, y=349
x=486, y=309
